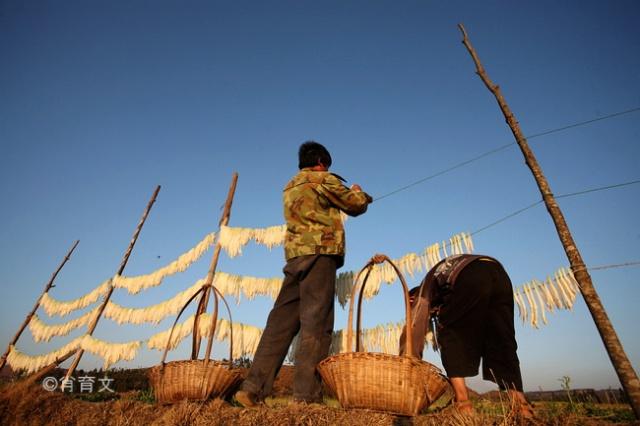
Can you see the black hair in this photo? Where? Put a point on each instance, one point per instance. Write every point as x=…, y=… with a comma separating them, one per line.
x=310, y=153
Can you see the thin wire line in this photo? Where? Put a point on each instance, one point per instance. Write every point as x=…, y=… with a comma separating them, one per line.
x=509, y=216
x=464, y=163
x=602, y=188
x=615, y=265
x=502, y=147
x=587, y=191
x=571, y=126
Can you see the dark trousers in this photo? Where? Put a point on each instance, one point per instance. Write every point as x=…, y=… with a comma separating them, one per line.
x=305, y=304
x=476, y=322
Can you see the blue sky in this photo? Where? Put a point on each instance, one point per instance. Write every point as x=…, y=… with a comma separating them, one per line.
x=102, y=101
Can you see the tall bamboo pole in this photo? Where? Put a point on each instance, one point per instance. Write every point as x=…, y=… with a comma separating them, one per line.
x=49, y=285
x=622, y=365
x=202, y=306
x=106, y=298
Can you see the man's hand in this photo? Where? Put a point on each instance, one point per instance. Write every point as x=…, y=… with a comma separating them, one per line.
x=356, y=187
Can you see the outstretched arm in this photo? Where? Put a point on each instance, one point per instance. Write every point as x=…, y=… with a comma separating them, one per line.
x=353, y=201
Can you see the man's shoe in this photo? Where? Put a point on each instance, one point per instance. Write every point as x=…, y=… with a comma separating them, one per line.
x=246, y=399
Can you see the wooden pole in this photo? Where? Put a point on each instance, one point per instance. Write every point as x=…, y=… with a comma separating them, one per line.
x=622, y=365
x=49, y=285
x=202, y=306
x=106, y=298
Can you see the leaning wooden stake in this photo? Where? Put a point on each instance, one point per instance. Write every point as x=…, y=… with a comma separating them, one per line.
x=49, y=285
x=202, y=306
x=106, y=298
x=619, y=359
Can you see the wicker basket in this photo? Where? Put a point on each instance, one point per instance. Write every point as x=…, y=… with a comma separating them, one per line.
x=195, y=379
x=396, y=384
x=192, y=380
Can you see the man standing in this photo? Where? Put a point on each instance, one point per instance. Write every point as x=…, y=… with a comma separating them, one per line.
x=314, y=249
x=467, y=302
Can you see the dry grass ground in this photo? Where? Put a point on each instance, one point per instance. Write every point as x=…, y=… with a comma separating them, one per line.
x=31, y=405
x=22, y=403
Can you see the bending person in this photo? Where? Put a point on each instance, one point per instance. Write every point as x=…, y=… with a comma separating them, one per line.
x=467, y=302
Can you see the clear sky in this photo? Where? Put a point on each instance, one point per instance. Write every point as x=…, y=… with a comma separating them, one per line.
x=102, y=101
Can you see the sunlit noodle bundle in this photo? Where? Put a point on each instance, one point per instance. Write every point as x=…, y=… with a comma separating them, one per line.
x=62, y=308
x=409, y=264
x=44, y=332
x=132, y=284
x=534, y=299
x=27, y=363
x=245, y=337
x=250, y=287
x=154, y=313
x=141, y=282
x=232, y=239
x=109, y=352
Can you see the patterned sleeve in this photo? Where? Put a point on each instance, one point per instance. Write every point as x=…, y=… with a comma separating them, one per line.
x=353, y=203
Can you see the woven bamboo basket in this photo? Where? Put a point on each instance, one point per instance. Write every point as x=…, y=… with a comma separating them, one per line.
x=398, y=384
x=195, y=379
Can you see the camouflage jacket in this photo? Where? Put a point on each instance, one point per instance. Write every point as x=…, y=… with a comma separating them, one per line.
x=312, y=204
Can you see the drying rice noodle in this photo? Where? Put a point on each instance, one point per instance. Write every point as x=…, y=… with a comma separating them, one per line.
x=109, y=352
x=249, y=287
x=142, y=282
x=44, y=332
x=154, y=313
x=62, y=308
x=536, y=289
x=245, y=337
x=232, y=239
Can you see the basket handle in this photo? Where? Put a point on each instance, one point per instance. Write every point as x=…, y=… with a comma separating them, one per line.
x=214, y=323
x=376, y=259
x=214, y=318
x=166, y=350
x=196, y=321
